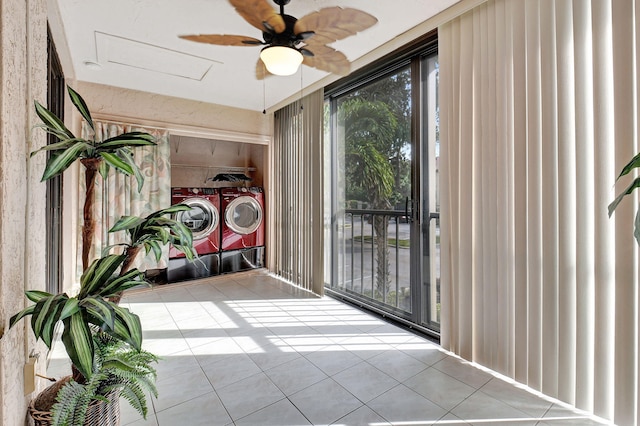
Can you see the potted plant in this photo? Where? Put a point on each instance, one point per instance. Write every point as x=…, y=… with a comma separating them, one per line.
x=120, y=371
x=97, y=156
x=84, y=316
x=93, y=317
x=633, y=164
x=151, y=233
x=101, y=338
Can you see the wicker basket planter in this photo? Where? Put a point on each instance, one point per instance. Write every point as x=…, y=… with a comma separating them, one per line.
x=100, y=413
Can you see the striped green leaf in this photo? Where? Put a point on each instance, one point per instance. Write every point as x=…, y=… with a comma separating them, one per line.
x=35, y=295
x=164, y=221
x=182, y=233
x=117, y=163
x=98, y=274
x=45, y=308
x=170, y=210
x=70, y=308
x=130, y=279
x=128, y=140
x=162, y=233
x=127, y=327
x=126, y=222
x=51, y=121
x=104, y=170
x=60, y=134
x=59, y=163
x=62, y=145
x=189, y=252
x=156, y=248
x=23, y=313
x=81, y=106
x=100, y=310
x=635, y=184
x=88, y=274
x=634, y=163
x=127, y=156
x=49, y=325
x=77, y=340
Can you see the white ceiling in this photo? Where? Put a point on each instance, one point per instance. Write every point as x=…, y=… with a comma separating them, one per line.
x=134, y=44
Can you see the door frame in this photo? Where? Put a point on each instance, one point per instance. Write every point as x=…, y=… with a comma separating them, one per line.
x=414, y=55
x=54, y=202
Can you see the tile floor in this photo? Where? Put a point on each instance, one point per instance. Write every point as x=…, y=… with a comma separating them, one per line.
x=248, y=349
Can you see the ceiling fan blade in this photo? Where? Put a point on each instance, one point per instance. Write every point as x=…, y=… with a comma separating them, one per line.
x=329, y=60
x=222, y=39
x=333, y=23
x=256, y=12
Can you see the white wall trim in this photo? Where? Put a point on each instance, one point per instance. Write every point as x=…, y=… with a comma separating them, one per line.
x=188, y=130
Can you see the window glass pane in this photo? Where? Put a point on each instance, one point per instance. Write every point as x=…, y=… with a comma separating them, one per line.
x=373, y=186
x=382, y=214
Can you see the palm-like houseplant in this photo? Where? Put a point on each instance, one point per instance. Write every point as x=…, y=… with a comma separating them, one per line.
x=87, y=308
x=82, y=316
x=97, y=156
x=119, y=369
x=91, y=313
x=633, y=164
x=152, y=233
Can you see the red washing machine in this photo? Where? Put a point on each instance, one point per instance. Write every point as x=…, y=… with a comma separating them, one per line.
x=242, y=241
x=204, y=222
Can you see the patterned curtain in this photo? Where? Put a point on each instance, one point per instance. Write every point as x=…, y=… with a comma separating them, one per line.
x=117, y=196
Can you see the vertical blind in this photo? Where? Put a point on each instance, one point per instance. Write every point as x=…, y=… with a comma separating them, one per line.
x=539, y=112
x=297, y=217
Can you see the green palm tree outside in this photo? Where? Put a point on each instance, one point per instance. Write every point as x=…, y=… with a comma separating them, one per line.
x=368, y=128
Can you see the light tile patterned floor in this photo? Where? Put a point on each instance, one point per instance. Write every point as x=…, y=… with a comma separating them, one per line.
x=248, y=349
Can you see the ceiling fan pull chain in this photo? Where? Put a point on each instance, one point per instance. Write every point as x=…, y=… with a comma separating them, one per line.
x=301, y=90
x=264, y=93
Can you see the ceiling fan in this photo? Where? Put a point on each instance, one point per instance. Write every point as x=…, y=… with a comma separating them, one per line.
x=290, y=41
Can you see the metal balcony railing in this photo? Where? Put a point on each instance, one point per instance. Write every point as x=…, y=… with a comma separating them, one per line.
x=376, y=257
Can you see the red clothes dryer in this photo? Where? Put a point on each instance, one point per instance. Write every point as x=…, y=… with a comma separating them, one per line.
x=204, y=222
x=203, y=219
x=243, y=224
x=242, y=240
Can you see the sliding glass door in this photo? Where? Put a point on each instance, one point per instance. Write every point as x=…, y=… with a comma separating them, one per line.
x=383, y=226
x=373, y=152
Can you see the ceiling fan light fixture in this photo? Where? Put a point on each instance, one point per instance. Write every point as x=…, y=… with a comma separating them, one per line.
x=281, y=60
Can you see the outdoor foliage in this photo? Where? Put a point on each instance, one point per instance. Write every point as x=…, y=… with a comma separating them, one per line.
x=377, y=169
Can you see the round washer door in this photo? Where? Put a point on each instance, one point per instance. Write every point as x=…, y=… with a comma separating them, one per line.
x=243, y=215
x=202, y=219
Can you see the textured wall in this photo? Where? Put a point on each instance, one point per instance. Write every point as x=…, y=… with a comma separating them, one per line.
x=22, y=209
x=147, y=106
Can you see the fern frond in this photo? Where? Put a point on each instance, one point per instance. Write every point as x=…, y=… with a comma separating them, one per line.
x=73, y=400
x=136, y=398
x=117, y=367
